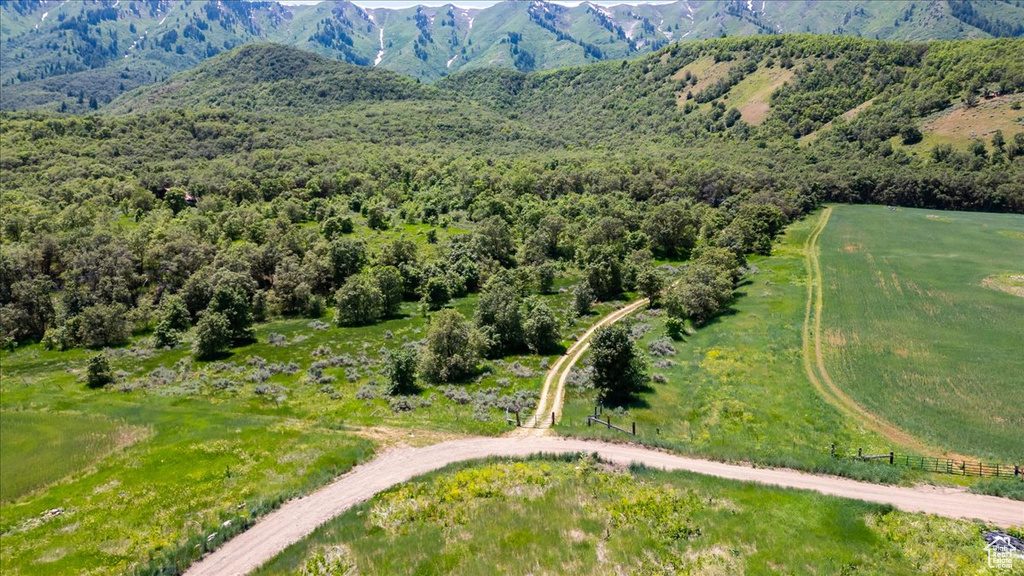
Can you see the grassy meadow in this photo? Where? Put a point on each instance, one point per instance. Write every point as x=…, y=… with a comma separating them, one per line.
x=50, y=446
x=736, y=388
x=135, y=477
x=579, y=516
x=918, y=328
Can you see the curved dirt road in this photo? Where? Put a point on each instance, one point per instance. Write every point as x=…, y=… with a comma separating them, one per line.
x=552, y=395
x=298, y=518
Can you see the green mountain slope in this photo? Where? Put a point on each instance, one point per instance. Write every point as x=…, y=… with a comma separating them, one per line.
x=76, y=56
x=268, y=77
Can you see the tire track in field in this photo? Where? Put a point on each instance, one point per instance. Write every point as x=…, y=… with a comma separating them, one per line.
x=818, y=373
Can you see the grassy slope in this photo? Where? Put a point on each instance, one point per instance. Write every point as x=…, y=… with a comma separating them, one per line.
x=566, y=517
x=958, y=125
x=737, y=387
x=911, y=333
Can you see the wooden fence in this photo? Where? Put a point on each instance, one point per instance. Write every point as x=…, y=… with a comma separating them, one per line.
x=944, y=465
x=608, y=423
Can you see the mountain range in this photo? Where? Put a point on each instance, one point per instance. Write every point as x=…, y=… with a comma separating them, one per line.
x=74, y=56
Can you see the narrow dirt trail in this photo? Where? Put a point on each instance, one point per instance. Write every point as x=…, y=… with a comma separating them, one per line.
x=298, y=518
x=552, y=394
x=814, y=358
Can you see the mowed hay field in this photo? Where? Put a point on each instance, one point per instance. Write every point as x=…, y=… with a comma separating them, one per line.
x=915, y=329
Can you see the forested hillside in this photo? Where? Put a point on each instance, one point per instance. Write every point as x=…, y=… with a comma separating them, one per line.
x=254, y=185
x=77, y=56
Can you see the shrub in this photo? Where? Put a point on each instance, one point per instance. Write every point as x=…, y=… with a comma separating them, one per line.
x=400, y=370
x=359, y=301
x=545, y=277
x=101, y=325
x=619, y=370
x=98, y=372
x=582, y=298
x=661, y=347
x=676, y=328
x=540, y=328
x=452, y=350
x=164, y=336
x=213, y=335
x=436, y=293
x=367, y=392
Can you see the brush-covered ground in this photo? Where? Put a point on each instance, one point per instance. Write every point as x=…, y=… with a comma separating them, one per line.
x=100, y=480
x=138, y=475
x=576, y=515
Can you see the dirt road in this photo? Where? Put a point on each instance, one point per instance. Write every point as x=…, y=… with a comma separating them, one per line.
x=552, y=395
x=299, y=517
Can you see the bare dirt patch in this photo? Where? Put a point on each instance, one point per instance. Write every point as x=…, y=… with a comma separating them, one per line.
x=1009, y=283
x=388, y=437
x=960, y=124
x=752, y=94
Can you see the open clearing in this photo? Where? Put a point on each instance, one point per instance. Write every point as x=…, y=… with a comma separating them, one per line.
x=912, y=333
x=707, y=72
x=847, y=116
x=958, y=125
x=751, y=95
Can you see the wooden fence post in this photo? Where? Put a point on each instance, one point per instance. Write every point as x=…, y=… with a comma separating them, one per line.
x=518, y=423
x=892, y=456
x=860, y=452
x=634, y=428
x=552, y=418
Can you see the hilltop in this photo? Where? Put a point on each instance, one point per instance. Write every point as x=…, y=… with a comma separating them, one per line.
x=269, y=76
x=77, y=56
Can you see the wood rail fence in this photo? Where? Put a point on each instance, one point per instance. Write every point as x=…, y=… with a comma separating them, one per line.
x=944, y=465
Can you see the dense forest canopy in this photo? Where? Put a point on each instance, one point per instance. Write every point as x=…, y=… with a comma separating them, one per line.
x=255, y=185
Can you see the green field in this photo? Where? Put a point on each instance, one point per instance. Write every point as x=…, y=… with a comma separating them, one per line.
x=154, y=503
x=40, y=448
x=913, y=331
x=213, y=441
x=583, y=517
x=737, y=387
